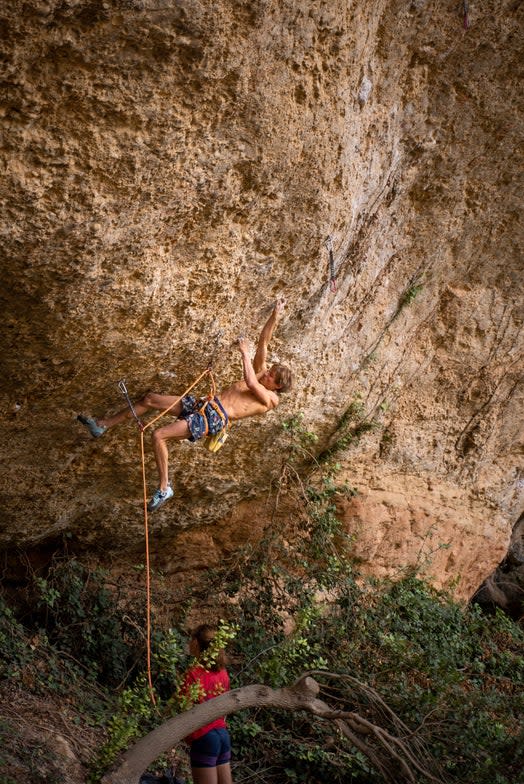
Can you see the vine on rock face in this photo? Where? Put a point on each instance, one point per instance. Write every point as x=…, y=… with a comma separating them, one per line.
x=410, y=294
x=353, y=424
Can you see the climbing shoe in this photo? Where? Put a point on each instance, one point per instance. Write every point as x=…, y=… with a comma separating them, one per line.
x=91, y=424
x=159, y=498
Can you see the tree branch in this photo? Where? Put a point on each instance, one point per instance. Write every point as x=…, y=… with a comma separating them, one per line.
x=302, y=695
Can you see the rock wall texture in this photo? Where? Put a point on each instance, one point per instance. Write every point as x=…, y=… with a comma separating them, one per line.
x=170, y=167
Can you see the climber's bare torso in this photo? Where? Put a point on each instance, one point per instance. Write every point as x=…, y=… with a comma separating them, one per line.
x=239, y=401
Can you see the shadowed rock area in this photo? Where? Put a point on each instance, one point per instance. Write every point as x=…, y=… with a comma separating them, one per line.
x=169, y=169
x=504, y=588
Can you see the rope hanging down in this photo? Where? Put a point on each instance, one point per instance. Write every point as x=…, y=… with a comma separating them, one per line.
x=332, y=274
x=143, y=428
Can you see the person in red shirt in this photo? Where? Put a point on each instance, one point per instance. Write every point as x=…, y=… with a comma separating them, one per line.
x=210, y=746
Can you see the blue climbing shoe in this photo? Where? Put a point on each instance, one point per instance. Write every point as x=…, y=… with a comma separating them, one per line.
x=159, y=498
x=95, y=429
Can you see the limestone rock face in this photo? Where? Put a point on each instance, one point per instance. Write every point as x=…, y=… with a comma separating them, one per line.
x=170, y=167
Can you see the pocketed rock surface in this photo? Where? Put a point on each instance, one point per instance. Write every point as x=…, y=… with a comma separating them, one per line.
x=169, y=168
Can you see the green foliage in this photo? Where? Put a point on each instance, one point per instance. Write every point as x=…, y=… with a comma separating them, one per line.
x=33, y=672
x=225, y=633
x=353, y=424
x=84, y=617
x=134, y=716
x=15, y=652
x=409, y=294
x=454, y=676
x=72, y=633
x=440, y=667
x=169, y=653
x=301, y=440
x=294, y=653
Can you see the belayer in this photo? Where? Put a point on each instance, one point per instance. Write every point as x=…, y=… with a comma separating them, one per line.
x=210, y=745
x=256, y=393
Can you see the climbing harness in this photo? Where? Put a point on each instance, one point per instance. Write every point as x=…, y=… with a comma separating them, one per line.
x=122, y=387
x=143, y=427
x=215, y=442
x=332, y=274
x=465, y=7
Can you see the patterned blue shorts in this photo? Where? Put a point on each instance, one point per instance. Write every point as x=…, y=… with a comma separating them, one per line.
x=212, y=749
x=196, y=421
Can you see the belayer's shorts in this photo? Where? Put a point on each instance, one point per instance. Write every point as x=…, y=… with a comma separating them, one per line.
x=196, y=421
x=212, y=749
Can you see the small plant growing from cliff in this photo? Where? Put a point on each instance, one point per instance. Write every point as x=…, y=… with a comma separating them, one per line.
x=301, y=437
x=409, y=295
x=370, y=359
x=351, y=427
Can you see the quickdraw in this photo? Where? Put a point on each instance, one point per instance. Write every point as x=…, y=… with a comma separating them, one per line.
x=122, y=387
x=465, y=6
x=332, y=274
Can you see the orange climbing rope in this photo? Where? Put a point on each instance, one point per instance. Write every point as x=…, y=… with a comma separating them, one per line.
x=143, y=428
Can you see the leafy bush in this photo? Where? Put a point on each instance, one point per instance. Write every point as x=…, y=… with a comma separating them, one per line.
x=86, y=618
x=442, y=668
x=15, y=653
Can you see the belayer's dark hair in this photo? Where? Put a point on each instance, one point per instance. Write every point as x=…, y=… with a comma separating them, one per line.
x=204, y=636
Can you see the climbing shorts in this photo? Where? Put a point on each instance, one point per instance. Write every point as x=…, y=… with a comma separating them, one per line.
x=212, y=749
x=196, y=416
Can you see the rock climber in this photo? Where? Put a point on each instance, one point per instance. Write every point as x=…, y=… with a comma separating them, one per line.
x=257, y=393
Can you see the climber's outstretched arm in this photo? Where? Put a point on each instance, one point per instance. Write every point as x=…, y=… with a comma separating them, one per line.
x=259, y=363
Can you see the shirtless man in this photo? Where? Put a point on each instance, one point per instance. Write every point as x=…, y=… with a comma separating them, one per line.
x=257, y=393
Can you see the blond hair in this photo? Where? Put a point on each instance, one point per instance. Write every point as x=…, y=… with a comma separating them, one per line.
x=283, y=377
